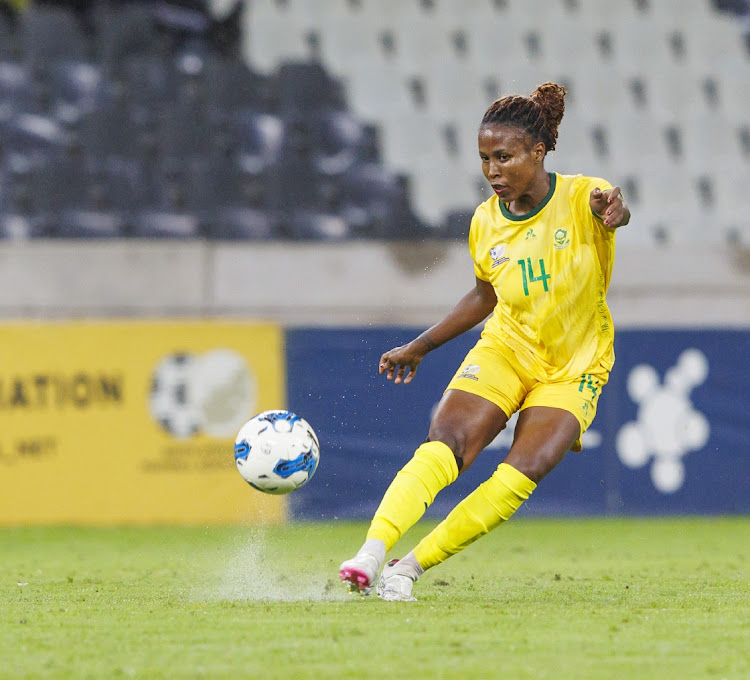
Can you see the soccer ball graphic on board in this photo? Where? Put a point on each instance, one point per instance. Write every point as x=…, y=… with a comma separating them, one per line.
x=210, y=393
x=276, y=452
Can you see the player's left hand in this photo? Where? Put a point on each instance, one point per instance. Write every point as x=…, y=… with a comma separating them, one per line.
x=610, y=206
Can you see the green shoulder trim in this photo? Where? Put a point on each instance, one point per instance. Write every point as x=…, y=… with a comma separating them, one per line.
x=534, y=211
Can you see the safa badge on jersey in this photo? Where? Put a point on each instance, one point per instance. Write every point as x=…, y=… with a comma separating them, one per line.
x=497, y=255
x=561, y=239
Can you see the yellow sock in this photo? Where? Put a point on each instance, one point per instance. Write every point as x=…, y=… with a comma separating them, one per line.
x=412, y=491
x=480, y=512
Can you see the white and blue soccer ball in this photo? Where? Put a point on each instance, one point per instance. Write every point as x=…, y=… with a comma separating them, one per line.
x=276, y=452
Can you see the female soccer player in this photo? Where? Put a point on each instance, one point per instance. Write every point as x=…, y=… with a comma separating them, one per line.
x=543, y=249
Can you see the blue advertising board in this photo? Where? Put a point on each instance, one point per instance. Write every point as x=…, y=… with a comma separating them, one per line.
x=671, y=436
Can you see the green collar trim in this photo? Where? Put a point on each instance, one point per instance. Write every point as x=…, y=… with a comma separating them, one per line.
x=534, y=211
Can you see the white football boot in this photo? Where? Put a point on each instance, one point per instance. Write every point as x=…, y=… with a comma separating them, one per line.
x=359, y=573
x=396, y=583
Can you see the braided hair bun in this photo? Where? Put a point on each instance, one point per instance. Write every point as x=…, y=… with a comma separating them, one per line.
x=539, y=114
x=551, y=98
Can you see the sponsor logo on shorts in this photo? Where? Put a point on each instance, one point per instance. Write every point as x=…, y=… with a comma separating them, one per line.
x=470, y=372
x=497, y=254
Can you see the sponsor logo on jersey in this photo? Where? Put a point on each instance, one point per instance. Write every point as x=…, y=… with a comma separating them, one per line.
x=497, y=254
x=561, y=239
x=530, y=234
x=470, y=372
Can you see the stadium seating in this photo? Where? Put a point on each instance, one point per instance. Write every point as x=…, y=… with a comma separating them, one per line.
x=231, y=85
x=75, y=89
x=49, y=35
x=125, y=30
x=237, y=223
x=17, y=93
x=8, y=43
x=166, y=224
x=375, y=203
x=88, y=224
x=21, y=226
x=358, y=118
x=171, y=119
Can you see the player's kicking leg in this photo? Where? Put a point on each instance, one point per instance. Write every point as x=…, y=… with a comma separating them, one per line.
x=412, y=491
x=360, y=573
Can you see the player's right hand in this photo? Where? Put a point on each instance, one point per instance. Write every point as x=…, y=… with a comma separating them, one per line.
x=395, y=362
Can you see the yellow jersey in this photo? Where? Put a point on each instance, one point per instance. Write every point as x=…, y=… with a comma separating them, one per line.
x=550, y=269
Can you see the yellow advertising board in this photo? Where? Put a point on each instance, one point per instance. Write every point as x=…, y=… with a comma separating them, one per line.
x=108, y=423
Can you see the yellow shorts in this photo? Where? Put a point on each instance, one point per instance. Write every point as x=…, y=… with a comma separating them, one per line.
x=494, y=375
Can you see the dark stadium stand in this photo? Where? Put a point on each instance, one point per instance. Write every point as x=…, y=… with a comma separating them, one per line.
x=8, y=43
x=110, y=127
x=330, y=121
x=49, y=35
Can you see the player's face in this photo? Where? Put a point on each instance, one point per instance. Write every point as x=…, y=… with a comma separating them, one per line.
x=511, y=162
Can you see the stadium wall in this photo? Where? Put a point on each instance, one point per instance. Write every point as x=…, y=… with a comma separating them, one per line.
x=343, y=284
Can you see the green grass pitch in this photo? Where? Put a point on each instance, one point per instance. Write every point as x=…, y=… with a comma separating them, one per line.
x=538, y=598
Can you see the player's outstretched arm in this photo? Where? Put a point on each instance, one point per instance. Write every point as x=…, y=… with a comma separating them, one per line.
x=473, y=308
x=610, y=206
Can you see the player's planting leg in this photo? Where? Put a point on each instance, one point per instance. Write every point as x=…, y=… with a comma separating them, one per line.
x=398, y=579
x=491, y=504
x=412, y=491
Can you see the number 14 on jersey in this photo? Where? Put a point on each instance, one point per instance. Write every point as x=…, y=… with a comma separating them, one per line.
x=527, y=272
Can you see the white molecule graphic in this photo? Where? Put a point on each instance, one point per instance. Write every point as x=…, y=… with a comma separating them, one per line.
x=667, y=427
